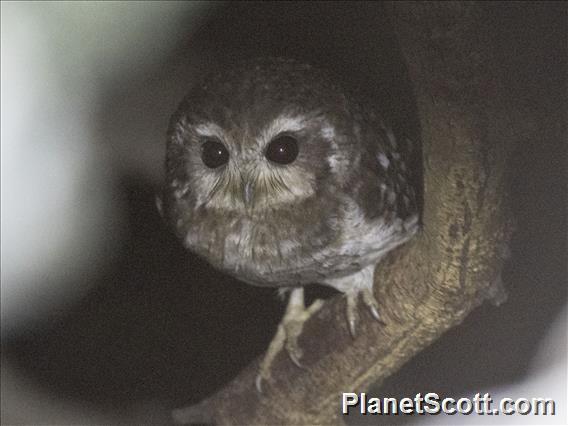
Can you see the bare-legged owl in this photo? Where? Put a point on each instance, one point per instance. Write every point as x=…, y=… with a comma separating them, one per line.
x=277, y=176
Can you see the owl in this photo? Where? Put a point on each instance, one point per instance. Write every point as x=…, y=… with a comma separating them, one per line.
x=279, y=177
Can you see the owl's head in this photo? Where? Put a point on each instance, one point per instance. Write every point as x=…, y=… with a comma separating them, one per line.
x=256, y=138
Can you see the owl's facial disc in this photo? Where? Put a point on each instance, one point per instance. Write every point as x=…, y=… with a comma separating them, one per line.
x=248, y=163
x=251, y=170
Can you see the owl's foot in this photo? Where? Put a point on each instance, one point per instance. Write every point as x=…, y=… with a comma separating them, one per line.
x=289, y=329
x=358, y=284
x=352, y=311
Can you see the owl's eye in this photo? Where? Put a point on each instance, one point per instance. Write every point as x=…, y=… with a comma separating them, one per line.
x=282, y=150
x=214, y=154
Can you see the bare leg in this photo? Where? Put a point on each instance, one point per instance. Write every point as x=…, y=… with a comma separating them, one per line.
x=289, y=329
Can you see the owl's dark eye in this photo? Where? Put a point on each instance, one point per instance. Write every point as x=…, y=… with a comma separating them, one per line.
x=282, y=149
x=214, y=154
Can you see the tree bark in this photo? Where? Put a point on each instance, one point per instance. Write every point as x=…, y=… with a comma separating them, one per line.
x=432, y=283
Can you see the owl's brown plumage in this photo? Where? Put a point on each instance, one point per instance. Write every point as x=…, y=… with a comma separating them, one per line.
x=277, y=176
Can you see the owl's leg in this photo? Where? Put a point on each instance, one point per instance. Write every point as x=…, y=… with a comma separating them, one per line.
x=355, y=285
x=289, y=329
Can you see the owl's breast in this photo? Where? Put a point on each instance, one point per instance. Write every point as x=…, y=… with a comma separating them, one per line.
x=263, y=252
x=274, y=253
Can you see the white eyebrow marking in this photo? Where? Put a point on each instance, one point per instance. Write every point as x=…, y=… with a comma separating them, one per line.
x=328, y=132
x=383, y=160
x=280, y=125
x=209, y=129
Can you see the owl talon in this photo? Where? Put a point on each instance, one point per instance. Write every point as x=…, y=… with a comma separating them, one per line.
x=372, y=304
x=375, y=313
x=293, y=330
x=258, y=383
x=352, y=328
x=287, y=335
x=352, y=311
x=295, y=356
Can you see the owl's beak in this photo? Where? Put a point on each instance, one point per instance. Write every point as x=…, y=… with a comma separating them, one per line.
x=248, y=193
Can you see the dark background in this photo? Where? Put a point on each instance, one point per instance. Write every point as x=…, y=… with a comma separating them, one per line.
x=160, y=325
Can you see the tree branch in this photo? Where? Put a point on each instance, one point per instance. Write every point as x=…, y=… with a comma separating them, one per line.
x=433, y=282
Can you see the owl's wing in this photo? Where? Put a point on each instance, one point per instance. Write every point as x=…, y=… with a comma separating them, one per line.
x=388, y=185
